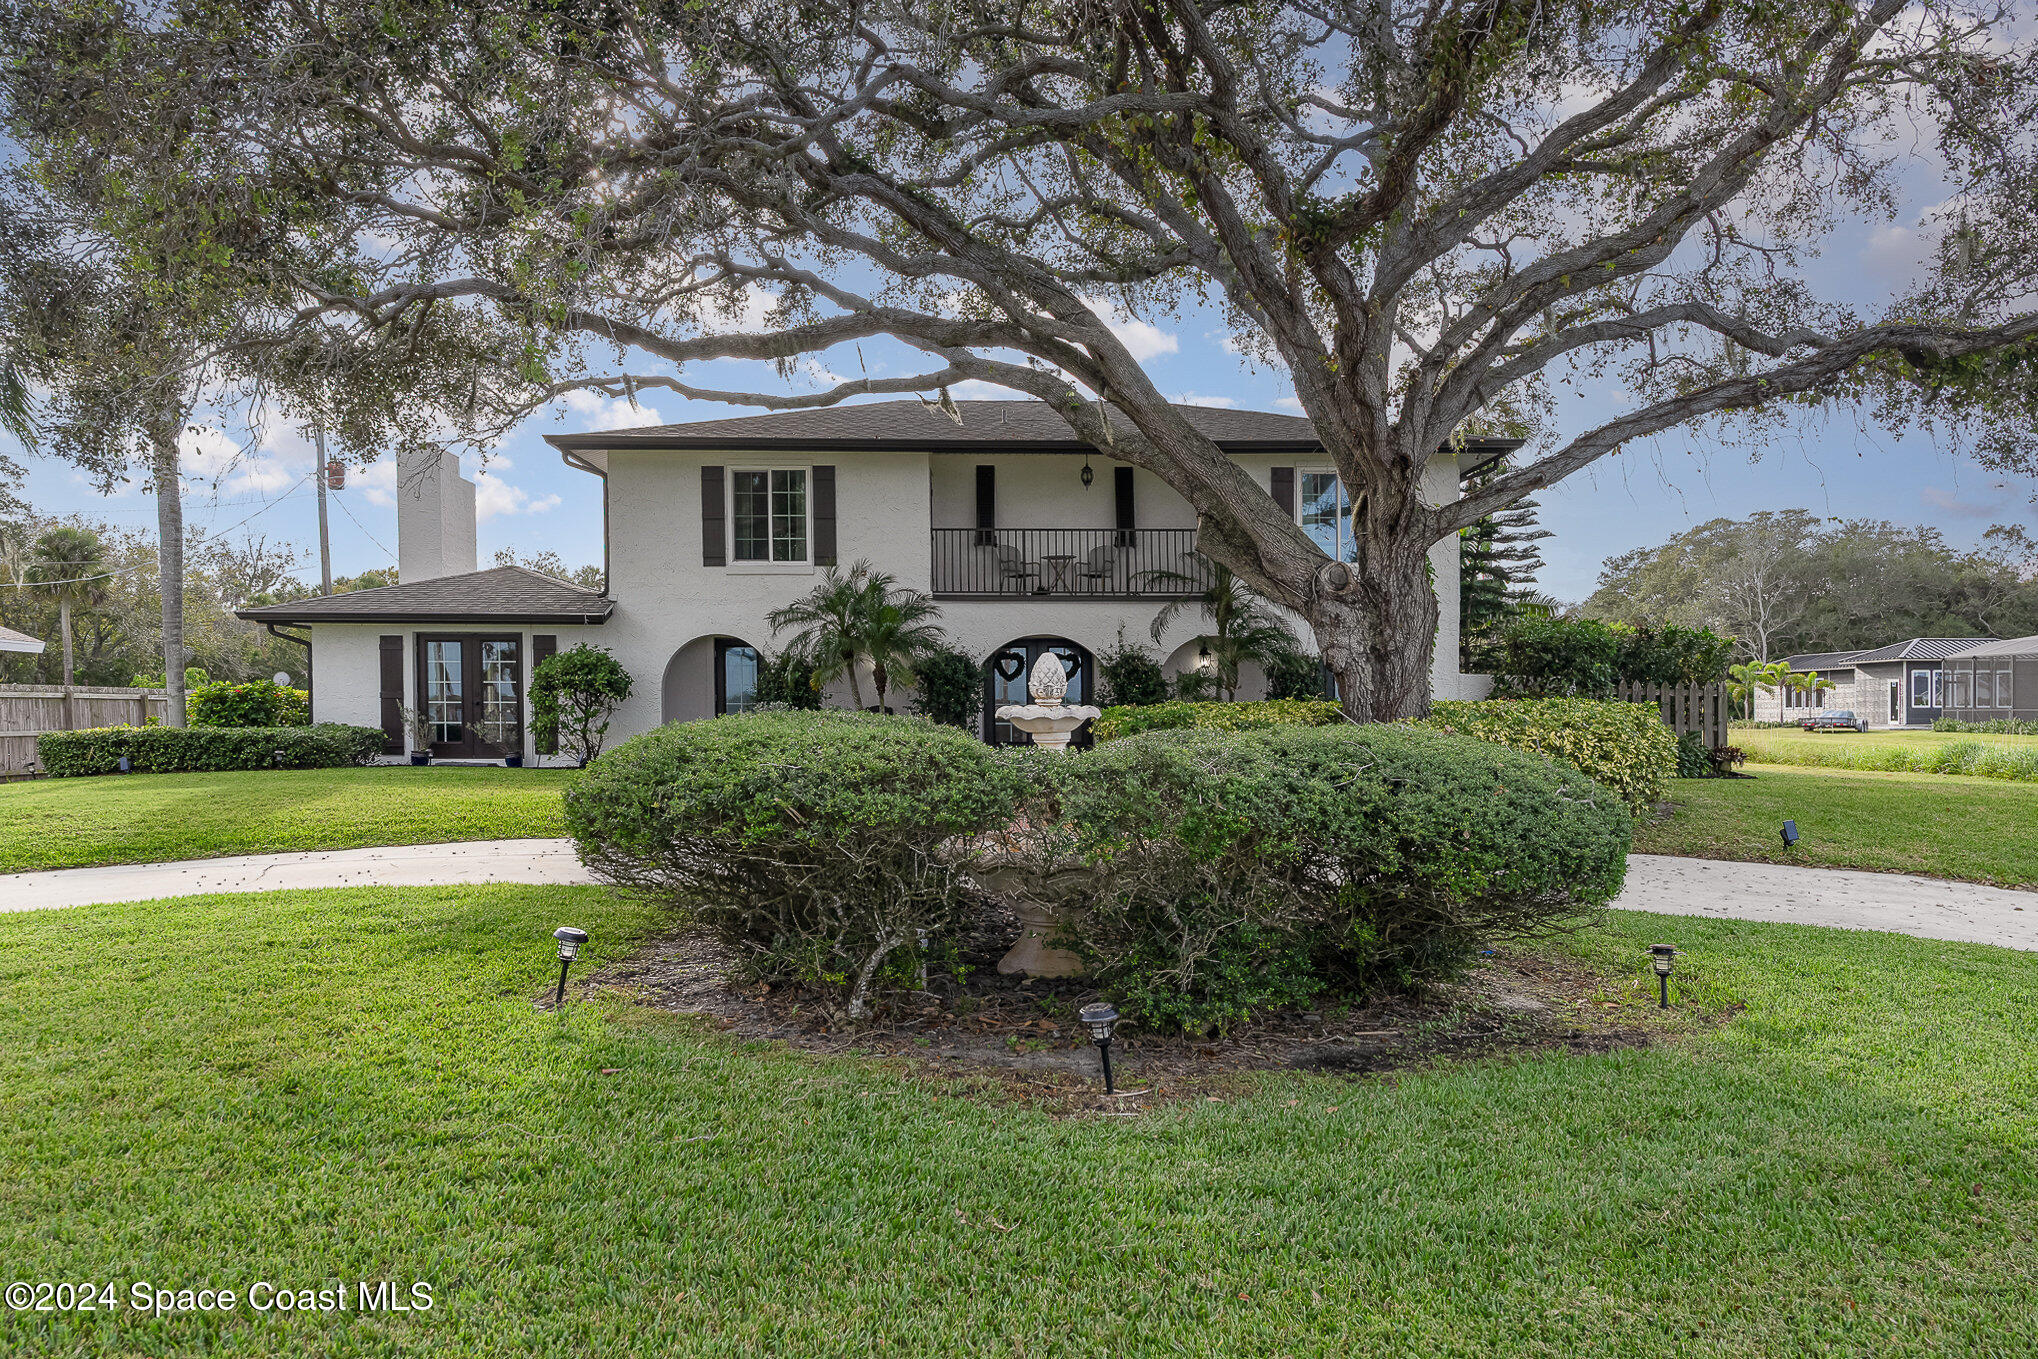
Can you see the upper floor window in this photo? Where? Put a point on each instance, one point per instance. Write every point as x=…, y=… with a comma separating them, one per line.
x=769, y=510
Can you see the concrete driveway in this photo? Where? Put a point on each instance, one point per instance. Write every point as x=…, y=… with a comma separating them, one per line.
x=1926, y=907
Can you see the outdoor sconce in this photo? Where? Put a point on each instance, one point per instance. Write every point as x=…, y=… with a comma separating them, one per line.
x=1203, y=654
x=1660, y=956
x=1790, y=835
x=570, y=940
x=1088, y=475
x=1098, y=1017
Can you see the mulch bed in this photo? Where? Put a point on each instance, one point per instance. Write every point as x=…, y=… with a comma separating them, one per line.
x=1018, y=1036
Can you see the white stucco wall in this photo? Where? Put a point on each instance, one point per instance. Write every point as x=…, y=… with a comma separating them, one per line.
x=667, y=599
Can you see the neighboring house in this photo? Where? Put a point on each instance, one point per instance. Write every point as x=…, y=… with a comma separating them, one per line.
x=19, y=643
x=1994, y=680
x=1030, y=540
x=1899, y=685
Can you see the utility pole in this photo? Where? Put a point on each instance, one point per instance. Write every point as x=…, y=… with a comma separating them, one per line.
x=325, y=545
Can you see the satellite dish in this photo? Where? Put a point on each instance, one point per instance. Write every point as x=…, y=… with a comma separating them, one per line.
x=282, y=678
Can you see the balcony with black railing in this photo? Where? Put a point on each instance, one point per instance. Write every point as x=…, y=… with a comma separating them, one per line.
x=1068, y=563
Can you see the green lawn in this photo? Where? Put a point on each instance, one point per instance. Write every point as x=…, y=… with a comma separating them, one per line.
x=1940, y=825
x=1924, y=752
x=142, y=818
x=308, y=1088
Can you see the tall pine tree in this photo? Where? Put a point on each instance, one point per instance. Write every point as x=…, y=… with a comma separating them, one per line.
x=1497, y=564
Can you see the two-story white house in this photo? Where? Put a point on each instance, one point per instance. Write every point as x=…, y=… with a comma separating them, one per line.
x=1029, y=540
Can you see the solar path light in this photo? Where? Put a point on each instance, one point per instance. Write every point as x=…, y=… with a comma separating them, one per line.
x=1098, y=1017
x=570, y=940
x=1790, y=835
x=1660, y=956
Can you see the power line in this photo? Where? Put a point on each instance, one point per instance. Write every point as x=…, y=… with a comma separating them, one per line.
x=364, y=529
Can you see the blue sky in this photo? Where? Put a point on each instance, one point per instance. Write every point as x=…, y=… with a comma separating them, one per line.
x=1834, y=463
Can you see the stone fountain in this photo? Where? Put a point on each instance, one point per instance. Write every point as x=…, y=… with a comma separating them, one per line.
x=1034, y=889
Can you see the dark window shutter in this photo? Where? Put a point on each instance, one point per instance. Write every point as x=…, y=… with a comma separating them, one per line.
x=544, y=646
x=824, y=516
x=392, y=694
x=1284, y=488
x=1121, y=483
x=714, y=524
x=987, y=504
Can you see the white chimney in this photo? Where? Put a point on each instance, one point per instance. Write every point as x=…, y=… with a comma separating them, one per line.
x=434, y=517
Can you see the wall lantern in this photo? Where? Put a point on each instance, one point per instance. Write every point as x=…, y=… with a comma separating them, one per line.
x=1098, y=1017
x=1203, y=654
x=1660, y=956
x=1790, y=835
x=1089, y=476
x=570, y=940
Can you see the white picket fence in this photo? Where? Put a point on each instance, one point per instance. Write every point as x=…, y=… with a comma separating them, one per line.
x=1685, y=707
x=29, y=710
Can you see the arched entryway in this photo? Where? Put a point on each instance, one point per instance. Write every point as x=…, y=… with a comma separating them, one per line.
x=1005, y=673
x=709, y=677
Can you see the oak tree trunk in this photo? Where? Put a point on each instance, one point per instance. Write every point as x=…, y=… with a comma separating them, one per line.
x=170, y=556
x=1376, y=629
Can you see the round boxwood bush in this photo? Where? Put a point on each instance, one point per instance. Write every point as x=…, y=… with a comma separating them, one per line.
x=1256, y=869
x=818, y=844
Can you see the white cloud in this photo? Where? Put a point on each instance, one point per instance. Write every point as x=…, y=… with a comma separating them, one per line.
x=495, y=498
x=1142, y=339
x=376, y=482
x=600, y=412
x=1289, y=403
x=1196, y=399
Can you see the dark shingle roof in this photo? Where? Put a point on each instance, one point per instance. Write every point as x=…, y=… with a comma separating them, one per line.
x=504, y=594
x=915, y=426
x=2014, y=646
x=1821, y=660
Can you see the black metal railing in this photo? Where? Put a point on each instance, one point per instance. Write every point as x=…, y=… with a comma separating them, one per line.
x=1096, y=563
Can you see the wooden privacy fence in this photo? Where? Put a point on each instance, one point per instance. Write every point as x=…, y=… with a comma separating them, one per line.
x=29, y=710
x=1685, y=707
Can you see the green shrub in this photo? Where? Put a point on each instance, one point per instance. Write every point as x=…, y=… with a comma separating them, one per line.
x=1130, y=676
x=1294, y=674
x=1255, y=869
x=1116, y=723
x=818, y=845
x=1587, y=658
x=1623, y=745
x=949, y=689
x=176, y=750
x=573, y=695
x=1694, y=761
x=787, y=680
x=2001, y=726
x=251, y=703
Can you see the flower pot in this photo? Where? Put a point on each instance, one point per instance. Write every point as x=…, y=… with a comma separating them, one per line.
x=419, y=757
x=513, y=761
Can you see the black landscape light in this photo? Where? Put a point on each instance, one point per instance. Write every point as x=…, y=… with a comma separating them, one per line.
x=570, y=940
x=1098, y=1017
x=279, y=756
x=1660, y=956
x=1790, y=835
x=126, y=765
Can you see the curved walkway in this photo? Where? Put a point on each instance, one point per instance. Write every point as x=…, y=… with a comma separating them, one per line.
x=1929, y=908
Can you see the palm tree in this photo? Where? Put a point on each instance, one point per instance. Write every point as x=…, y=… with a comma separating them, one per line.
x=68, y=566
x=861, y=617
x=1744, y=680
x=1241, y=628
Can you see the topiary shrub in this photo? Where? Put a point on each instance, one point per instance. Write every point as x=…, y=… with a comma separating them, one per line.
x=1256, y=869
x=573, y=695
x=817, y=844
x=1623, y=745
x=177, y=750
x=251, y=703
x=1117, y=723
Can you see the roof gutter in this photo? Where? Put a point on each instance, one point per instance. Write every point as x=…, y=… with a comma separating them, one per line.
x=573, y=459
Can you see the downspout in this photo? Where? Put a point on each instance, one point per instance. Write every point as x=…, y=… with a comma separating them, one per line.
x=276, y=630
x=573, y=459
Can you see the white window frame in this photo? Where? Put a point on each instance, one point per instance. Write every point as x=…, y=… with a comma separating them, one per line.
x=739, y=567
x=2005, y=687
x=1929, y=686
x=1344, y=522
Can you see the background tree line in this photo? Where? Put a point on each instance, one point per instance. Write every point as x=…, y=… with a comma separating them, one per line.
x=1788, y=581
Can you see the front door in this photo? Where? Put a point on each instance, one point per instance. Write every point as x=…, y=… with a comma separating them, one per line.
x=1005, y=676
x=472, y=689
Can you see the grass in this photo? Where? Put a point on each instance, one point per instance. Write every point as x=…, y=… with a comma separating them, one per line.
x=145, y=818
x=1938, y=825
x=1916, y=752
x=308, y=1088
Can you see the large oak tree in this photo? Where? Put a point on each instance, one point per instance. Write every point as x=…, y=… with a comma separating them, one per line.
x=1427, y=213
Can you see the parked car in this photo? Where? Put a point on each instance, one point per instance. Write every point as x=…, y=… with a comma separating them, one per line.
x=1833, y=719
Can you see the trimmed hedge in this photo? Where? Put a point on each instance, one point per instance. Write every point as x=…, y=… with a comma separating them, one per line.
x=1117, y=723
x=253, y=703
x=181, y=750
x=817, y=844
x=1625, y=746
x=1250, y=870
